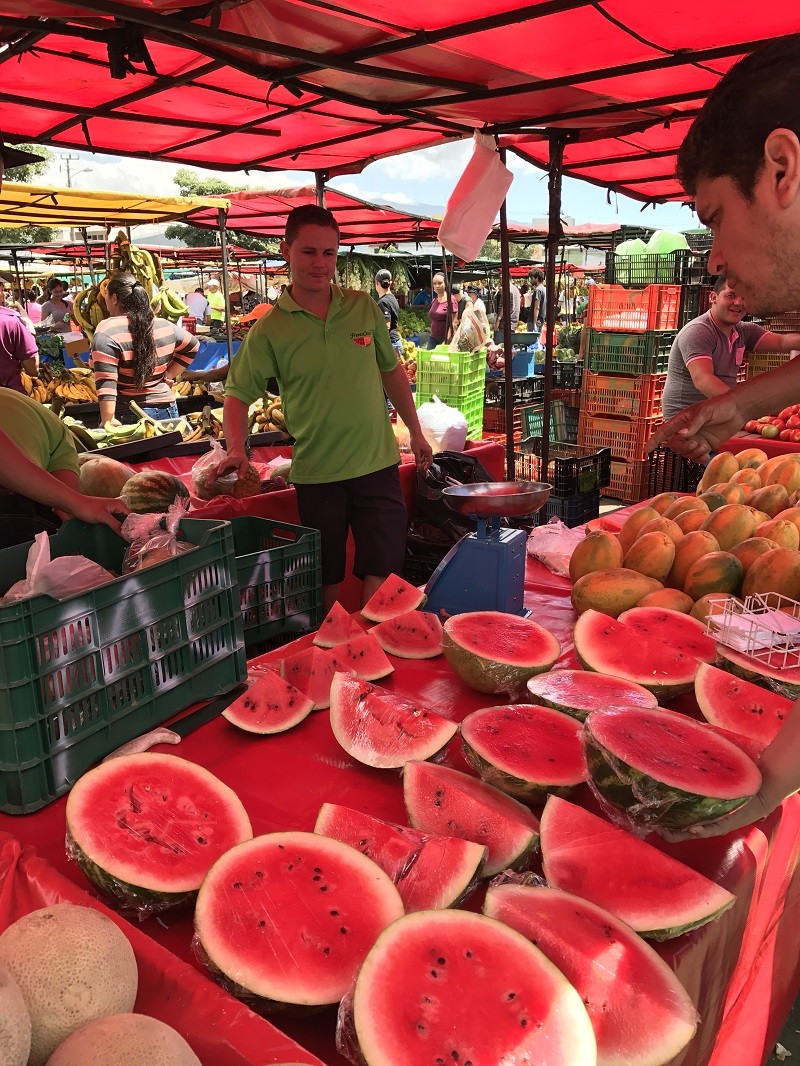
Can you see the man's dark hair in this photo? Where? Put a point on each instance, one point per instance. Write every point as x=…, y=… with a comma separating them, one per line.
x=720, y=284
x=309, y=215
x=758, y=95
x=537, y=276
x=384, y=278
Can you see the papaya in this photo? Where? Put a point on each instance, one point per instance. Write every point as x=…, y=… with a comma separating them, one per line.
x=612, y=591
x=791, y=515
x=787, y=474
x=661, y=502
x=688, y=521
x=694, y=546
x=772, y=499
x=710, y=604
x=714, y=500
x=668, y=600
x=782, y=533
x=633, y=523
x=736, y=493
x=663, y=525
x=685, y=503
x=774, y=571
x=748, y=476
x=721, y=468
x=652, y=555
x=765, y=470
x=751, y=457
x=730, y=525
x=714, y=572
x=749, y=550
x=597, y=551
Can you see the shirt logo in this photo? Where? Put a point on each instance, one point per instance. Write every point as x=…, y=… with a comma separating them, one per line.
x=363, y=340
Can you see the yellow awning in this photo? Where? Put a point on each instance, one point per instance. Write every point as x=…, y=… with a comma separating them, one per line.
x=35, y=205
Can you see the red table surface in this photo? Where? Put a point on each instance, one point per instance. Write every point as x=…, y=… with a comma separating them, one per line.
x=742, y=971
x=740, y=441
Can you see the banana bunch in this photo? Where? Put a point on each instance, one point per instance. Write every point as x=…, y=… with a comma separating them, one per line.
x=205, y=423
x=89, y=307
x=74, y=386
x=167, y=304
x=34, y=387
x=145, y=266
x=266, y=415
x=189, y=388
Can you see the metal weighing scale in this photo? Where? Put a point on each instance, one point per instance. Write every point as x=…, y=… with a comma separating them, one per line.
x=485, y=570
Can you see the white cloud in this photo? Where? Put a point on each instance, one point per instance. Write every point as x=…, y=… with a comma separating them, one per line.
x=444, y=162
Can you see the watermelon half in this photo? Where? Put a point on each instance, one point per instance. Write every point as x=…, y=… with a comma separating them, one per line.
x=146, y=829
x=608, y=646
x=287, y=919
x=430, y=872
x=379, y=729
x=577, y=692
x=414, y=635
x=496, y=652
x=394, y=597
x=337, y=627
x=655, y=894
x=270, y=705
x=732, y=703
x=525, y=751
x=785, y=680
x=446, y=802
x=639, y=1010
x=674, y=628
x=665, y=769
x=454, y=987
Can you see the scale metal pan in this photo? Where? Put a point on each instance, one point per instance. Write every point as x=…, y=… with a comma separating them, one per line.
x=491, y=499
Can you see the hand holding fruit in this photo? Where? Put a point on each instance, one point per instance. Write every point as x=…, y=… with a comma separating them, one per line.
x=98, y=509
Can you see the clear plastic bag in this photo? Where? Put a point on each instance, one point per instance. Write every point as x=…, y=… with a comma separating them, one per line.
x=60, y=578
x=444, y=427
x=553, y=545
x=154, y=537
x=207, y=485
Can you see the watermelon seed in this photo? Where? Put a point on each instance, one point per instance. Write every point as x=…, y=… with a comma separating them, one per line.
x=362, y=843
x=454, y=1054
x=523, y=1022
x=259, y=873
x=468, y=954
x=334, y=914
x=201, y=840
x=434, y=973
x=323, y=888
x=441, y=962
x=511, y=995
x=237, y=884
x=343, y=930
x=261, y=924
x=316, y=877
x=326, y=951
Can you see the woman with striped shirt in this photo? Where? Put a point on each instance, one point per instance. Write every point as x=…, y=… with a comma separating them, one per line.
x=135, y=355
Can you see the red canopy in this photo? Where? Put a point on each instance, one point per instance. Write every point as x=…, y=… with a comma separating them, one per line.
x=284, y=84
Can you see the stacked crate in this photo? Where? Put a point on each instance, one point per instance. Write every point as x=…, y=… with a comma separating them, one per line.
x=626, y=346
x=457, y=379
x=527, y=391
x=576, y=475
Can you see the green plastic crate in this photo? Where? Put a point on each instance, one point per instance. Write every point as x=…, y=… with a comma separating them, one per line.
x=79, y=677
x=563, y=421
x=469, y=404
x=279, y=568
x=627, y=353
x=446, y=373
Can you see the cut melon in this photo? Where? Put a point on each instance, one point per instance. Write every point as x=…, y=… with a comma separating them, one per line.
x=525, y=751
x=577, y=692
x=675, y=628
x=364, y=656
x=270, y=705
x=608, y=646
x=448, y=803
x=772, y=672
x=311, y=671
x=655, y=894
x=380, y=729
x=496, y=652
x=337, y=627
x=732, y=703
x=393, y=598
x=414, y=635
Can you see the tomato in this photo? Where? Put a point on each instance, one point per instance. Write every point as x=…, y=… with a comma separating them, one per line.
x=795, y=438
x=786, y=413
x=785, y=434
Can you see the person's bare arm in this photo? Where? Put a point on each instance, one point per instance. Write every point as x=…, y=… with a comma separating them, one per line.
x=704, y=379
x=219, y=373
x=396, y=387
x=234, y=421
x=778, y=342
x=30, y=366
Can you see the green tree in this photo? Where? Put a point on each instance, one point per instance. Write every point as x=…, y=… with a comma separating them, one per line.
x=28, y=174
x=191, y=184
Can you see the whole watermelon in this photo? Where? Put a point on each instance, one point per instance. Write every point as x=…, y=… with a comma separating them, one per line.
x=101, y=476
x=152, y=491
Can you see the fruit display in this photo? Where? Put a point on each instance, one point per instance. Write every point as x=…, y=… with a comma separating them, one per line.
x=337, y=627
x=577, y=692
x=153, y=491
x=408, y=360
x=784, y=426
x=270, y=705
x=395, y=597
x=101, y=476
x=494, y=652
x=732, y=703
x=266, y=415
x=413, y=635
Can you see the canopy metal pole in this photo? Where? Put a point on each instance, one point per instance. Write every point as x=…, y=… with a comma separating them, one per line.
x=20, y=286
x=319, y=181
x=241, y=290
x=508, y=372
x=222, y=215
x=84, y=234
x=555, y=232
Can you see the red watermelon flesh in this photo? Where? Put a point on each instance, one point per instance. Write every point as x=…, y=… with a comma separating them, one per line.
x=753, y=749
x=288, y=918
x=430, y=872
x=380, y=729
x=394, y=597
x=524, y=750
x=446, y=802
x=270, y=705
x=733, y=703
x=655, y=894
x=311, y=671
x=337, y=628
x=607, y=646
x=779, y=673
x=679, y=630
x=458, y=988
x=639, y=1010
x=577, y=692
x=414, y=635
x=365, y=657
x=495, y=652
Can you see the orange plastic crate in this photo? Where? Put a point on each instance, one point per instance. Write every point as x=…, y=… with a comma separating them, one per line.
x=615, y=309
x=621, y=396
x=626, y=437
x=628, y=481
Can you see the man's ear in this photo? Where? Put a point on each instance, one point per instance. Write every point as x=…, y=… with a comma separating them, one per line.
x=782, y=166
x=283, y=248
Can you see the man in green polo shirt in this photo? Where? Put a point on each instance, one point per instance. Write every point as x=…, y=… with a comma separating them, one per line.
x=330, y=351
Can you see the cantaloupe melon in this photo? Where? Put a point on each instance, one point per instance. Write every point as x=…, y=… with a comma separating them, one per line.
x=72, y=965
x=125, y=1040
x=15, y=1023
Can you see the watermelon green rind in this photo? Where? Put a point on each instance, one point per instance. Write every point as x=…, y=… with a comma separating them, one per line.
x=577, y=692
x=730, y=702
x=488, y=650
x=785, y=681
x=153, y=491
x=395, y=597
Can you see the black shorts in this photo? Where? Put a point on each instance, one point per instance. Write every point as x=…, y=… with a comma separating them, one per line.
x=372, y=507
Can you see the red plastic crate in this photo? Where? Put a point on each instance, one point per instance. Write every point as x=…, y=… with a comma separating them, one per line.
x=628, y=481
x=626, y=437
x=494, y=421
x=615, y=309
x=621, y=396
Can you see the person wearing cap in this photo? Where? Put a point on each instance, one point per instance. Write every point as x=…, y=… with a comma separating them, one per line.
x=390, y=309
x=474, y=294
x=216, y=302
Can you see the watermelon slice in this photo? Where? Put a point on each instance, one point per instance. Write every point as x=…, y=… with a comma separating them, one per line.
x=455, y=987
x=639, y=1010
x=270, y=705
x=655, y=894
x=753, y=749
x=525, y=751
x=679, y=630
x=379, y=729
x=147, y=828
x=288, y=918
x=666, y=769
x=414, y=635
x=311, y=671
x=772, y=673
x=496, y=652
x=337, y=628
x=430, y=872
x=608, y=646
x=448, y=803
x=733, y=703
x=365, y=657
x=393, y=598
x=577, y=692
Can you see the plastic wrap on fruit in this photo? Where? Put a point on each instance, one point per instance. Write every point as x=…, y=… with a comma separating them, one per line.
x=207, y=484
x=553, y=545
x=154, y=538
x=346, y=1039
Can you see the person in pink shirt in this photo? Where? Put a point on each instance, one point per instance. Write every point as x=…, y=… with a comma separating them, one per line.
x=18, y=349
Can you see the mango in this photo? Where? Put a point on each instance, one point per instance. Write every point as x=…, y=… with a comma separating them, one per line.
x=730, y=525
x=721, y=468
x=612, y=591
x=775, y=571
x=772, y=499
x=661, y=502
x=633, y=523
x=784, y=534
x=597, y=551
x=694, y=546
x=663, y=525
x=715, y=572
x=751, y=549
x=668, y=600
x=652, y=555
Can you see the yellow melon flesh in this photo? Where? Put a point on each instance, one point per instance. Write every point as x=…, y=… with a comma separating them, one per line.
x=125, y=1040
x=72, y=965
x=15, y=1023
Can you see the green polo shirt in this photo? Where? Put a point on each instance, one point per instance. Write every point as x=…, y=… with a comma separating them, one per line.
x=36, y=430
x=329, y=373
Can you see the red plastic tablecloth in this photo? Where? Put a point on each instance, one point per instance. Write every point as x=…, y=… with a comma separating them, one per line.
x=752, y=440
